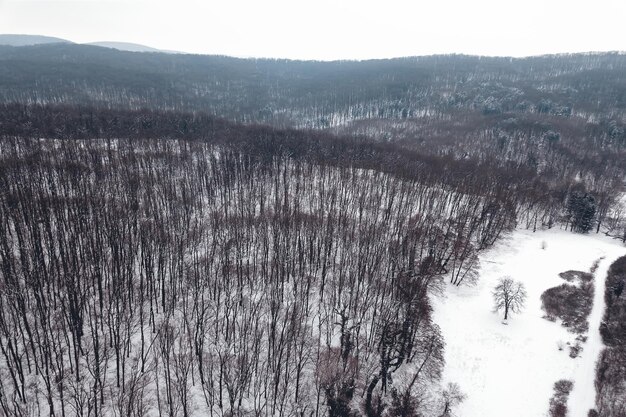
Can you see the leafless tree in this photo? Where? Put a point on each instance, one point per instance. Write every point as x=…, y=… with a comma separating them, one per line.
x=509, y=295
x=451, y=397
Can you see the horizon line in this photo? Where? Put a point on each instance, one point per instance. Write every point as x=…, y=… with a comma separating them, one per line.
x=329, y=60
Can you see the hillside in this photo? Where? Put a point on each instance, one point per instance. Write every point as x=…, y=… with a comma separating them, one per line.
x=124, y=46
x=27, y=40
x=544, y=112
x=190, y=235
x=317, y=94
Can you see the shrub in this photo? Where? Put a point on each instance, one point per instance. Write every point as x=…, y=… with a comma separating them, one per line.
x=558, y=402
x=569, y=303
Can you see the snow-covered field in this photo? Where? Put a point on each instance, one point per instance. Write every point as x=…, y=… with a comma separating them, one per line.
x=511, y=369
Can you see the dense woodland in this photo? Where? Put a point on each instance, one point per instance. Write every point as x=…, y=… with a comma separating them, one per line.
x=199, y=278
x=316, y=94
x=158, y=260
x=611, y=370
x=562, y=117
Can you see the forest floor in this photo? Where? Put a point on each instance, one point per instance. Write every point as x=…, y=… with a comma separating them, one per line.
x=510, y=369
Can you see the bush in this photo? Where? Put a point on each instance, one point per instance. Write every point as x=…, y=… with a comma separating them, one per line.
x=558, y=402
x=569, y=303
x=571, y=276
x=574, y=350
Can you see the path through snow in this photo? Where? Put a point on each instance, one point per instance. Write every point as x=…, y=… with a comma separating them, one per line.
x=583, y=396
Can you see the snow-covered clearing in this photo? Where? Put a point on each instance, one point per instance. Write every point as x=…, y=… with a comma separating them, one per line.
x=511, y=369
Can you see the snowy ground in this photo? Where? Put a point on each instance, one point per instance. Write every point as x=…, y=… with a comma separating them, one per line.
x=511, y=369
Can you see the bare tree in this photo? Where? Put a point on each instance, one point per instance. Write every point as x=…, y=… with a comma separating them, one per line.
x=509, y=295
x=451, y=397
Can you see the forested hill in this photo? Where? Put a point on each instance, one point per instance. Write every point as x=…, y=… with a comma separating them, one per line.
x=533, y=180
x=28, y=40
x=560, y=120
x=158, y=256
x=316, y=94
x=177, y=264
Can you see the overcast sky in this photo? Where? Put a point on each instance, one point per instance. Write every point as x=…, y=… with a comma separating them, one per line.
x=330, y=29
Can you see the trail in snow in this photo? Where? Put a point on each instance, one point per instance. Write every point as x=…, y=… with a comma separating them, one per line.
x=511, y=369
x=583, y=396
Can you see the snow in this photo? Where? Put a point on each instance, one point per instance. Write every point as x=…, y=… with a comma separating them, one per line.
x=511, y=369
x=583, y=396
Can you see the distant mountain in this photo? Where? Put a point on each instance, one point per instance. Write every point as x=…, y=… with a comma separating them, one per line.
x=125, y=46
x=30, y=40
x=27, y=40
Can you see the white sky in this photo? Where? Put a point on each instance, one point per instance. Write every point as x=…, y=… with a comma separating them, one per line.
x=330, y=29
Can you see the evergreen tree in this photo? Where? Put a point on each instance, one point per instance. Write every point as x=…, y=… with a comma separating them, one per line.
x=581, y=210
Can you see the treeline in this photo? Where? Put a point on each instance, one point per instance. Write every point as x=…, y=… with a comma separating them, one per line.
x=587, y=160
x=559, y=148
x=315, y=94
x=578, y=192
x=611, y=367
x=559, y=116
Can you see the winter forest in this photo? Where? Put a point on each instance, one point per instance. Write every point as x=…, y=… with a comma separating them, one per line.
x=190, y=235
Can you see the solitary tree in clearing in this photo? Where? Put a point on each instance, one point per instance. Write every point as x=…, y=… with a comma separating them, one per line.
x=509, y=295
